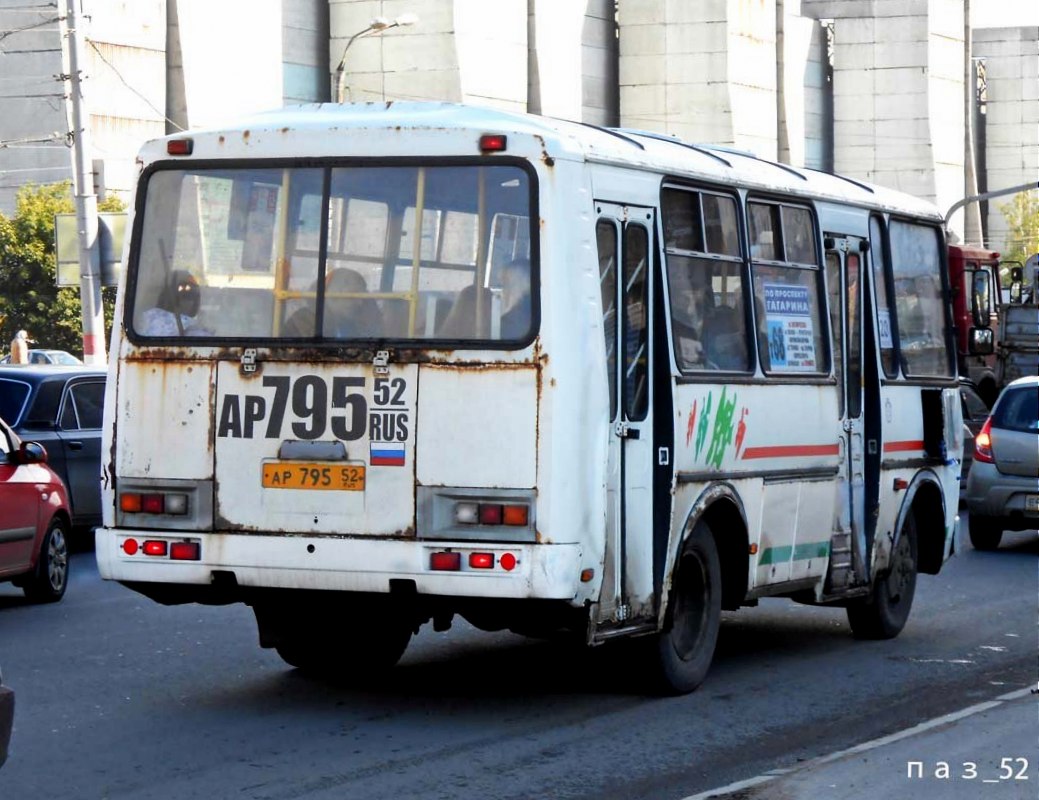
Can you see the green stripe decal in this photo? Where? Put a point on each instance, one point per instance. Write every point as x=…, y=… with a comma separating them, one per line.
x=801, y=552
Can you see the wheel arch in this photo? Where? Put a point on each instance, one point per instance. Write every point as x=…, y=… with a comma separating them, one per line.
x=718, y=505
x=925, y=501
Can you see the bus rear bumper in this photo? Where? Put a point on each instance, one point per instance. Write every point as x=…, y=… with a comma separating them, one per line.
x=547, y=571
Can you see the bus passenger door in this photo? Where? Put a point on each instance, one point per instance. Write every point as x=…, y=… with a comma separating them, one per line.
x=845, y=275
x=624, y=236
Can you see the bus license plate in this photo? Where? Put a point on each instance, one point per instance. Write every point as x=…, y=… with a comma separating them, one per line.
x=313, y=475
x=1032, y=503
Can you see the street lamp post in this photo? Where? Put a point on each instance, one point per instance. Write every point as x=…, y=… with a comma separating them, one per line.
x=376, y=26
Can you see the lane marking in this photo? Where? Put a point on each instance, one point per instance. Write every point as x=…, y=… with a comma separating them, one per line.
x=907, y=733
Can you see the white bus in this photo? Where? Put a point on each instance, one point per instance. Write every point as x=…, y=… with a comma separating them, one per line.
x=379, y=365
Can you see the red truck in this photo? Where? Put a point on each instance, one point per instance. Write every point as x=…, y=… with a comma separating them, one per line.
x=974, y=279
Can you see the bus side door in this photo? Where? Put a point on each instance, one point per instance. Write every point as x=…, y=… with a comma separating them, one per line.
x=846, y=276
x=625, y=235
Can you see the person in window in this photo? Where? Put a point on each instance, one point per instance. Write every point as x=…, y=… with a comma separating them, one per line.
x=349, y=317
x=515, y=285
x=176, y=309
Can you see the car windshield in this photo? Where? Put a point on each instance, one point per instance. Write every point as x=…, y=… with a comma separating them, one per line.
x=1018, y=410
x=13, y=395
x=323, y=254
x=63, y=358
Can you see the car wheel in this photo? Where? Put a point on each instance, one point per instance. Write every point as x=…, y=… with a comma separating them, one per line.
x=47, y=584
x=985, y=532
x=884, y=613
x=685, y=648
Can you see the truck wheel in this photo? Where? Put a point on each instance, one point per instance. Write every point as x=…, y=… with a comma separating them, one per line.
x=48, y=582
x=884, y=613
x=685, y=647
x=985, y=532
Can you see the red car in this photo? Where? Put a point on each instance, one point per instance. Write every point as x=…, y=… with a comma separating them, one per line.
x=34, y=520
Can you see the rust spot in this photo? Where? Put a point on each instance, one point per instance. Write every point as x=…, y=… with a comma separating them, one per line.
x=285, y=129
x=245, y=135
x=220, y=139
x=546, y=159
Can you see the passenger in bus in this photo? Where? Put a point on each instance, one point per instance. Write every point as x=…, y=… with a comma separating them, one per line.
x=515, y=284
x=175, y=310
x=349, y=317
x=460, y=322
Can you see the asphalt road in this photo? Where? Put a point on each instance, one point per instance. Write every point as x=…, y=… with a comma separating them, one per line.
x=118, y=697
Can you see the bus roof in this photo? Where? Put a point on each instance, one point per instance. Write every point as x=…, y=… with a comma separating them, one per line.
x=394, y=129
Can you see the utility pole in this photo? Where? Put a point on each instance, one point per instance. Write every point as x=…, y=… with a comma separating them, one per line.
x=86, y=200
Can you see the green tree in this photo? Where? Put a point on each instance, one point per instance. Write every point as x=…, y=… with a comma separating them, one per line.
x=29, y=298
x=1022, y=216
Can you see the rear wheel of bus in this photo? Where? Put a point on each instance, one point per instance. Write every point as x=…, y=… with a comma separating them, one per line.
x=338, y=640
x=884, y=613
x=686, y=646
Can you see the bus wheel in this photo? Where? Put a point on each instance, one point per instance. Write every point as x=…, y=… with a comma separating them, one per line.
x=685, y=647
x=360, y=651
x=884, y=613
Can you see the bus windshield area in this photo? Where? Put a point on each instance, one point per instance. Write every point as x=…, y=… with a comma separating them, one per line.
x=331, y=253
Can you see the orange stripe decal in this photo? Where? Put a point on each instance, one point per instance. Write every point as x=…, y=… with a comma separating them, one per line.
x=791, y=451
x=903, y=447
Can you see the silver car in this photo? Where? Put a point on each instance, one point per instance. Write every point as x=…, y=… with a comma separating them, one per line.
x=1003, y=482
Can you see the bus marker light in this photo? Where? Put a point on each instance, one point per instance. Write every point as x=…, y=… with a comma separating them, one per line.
x=130, y=501
x=490, y=514
x=754, y=549
x=493, y=143
x=514, y=515
x=507, y=561
x=481, y=560
x=130, y=546
x=155, y=547
x=186, y=551
x=587, y=575
x=153, y=504
x=179, y=147
x=467, y=513
x=447, y=561
x=900, y=484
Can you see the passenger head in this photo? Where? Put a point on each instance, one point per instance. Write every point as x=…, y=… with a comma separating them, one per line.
x=181, y=294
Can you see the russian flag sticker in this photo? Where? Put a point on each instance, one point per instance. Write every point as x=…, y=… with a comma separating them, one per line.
x=387, y=454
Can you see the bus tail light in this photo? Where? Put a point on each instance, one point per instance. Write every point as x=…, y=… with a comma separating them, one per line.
x=153, y=504
x=467, y=513
x=155, y=547
x=481, y=560
x=186, y=551
x=507, y=561
x=514, y=515
x=130, y=546
x=983, y=443
x=180, y=147
x=490, y=514
x=446, y=561
x=130, y=502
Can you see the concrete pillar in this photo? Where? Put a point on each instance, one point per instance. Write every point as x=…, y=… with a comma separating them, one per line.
x=803, y=126
x=898, y=94
x=465, y=51
x=705, y=71
x=1012, y=116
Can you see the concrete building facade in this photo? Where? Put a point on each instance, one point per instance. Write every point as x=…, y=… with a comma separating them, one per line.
x=873, y=89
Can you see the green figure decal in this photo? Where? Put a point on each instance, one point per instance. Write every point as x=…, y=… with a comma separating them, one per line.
x=721, y=435
x=701, y=429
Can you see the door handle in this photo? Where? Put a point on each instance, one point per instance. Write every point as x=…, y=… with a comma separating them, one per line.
x=75, y=445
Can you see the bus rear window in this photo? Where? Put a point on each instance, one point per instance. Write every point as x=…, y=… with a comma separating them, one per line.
x=326, y=254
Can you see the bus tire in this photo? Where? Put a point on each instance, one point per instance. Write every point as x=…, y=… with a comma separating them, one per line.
x=685, y=648
x=985, y=532
x=360, y=651
x=49, y=580
x=884, y=613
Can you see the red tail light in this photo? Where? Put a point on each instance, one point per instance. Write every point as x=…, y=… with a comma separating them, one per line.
x=186, y=551
x=983, y=443
x=446, y=561
x=481, y=560
x=155, y=547
x=490, y=514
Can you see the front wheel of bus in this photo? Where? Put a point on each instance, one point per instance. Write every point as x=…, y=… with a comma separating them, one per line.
x=685, y=647
x=884, y=613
